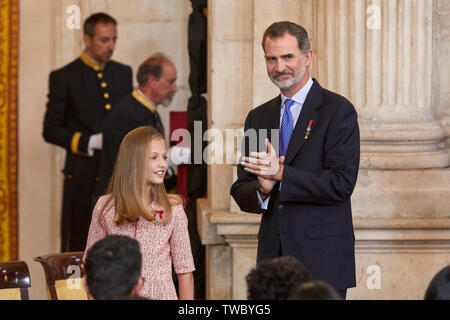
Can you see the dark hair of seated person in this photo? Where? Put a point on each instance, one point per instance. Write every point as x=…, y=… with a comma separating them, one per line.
x=113, y=267
x=133, y=298
x=314, y=290
x=274, y=279
x=439, y=287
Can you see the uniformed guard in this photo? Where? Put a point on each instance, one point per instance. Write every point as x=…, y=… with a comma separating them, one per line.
x=81, y=94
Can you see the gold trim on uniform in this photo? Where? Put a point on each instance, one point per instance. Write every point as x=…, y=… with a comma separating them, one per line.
x=74, y=144
x=97, y=66
x=139, y=96
x=108, y=107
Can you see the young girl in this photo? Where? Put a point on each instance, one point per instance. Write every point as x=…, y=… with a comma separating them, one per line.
x=138, y=206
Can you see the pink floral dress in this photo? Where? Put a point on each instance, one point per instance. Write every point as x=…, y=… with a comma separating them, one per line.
x=160, y=246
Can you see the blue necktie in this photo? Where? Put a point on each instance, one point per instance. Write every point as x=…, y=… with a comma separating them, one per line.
x=287, y=126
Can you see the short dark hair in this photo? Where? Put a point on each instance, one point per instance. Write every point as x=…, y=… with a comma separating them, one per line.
x=439, y=287
x=278, y=29
x=314, y=290
x=113, y=267
x=96, y=18
x=275, y=279
x=153, y=66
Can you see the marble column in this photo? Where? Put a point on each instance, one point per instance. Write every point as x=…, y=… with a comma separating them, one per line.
x=230, y=88
x=378, y=54
x=441, y=51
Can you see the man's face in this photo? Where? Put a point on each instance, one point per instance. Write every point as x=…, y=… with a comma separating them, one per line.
x=165, y=87
x=286, y=64
x=102, y=44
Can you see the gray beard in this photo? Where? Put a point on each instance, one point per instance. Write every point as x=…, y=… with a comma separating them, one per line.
x=290, y=83
x=166, y=102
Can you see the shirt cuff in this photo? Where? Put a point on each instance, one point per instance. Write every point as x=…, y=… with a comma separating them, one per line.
x=263, y=204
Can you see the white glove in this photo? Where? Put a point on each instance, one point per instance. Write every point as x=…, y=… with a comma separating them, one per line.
x=95, y=143
x=178, y=155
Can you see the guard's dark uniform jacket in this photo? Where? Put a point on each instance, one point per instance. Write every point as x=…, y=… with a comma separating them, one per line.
x=81, y=94
x=133, y=111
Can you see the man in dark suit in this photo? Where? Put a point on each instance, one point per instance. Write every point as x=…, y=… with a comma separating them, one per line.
x=81, y=94
x=156, y=78
x=303, y=187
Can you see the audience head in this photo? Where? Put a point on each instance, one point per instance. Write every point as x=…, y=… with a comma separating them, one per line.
x=314, y=290
x=274, y=279
x=113, y=268
x=100, y=36
x=157, y=78
x=439, y=287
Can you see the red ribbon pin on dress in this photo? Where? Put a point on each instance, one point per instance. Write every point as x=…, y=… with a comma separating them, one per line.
x=158, y=216
x=308, y=130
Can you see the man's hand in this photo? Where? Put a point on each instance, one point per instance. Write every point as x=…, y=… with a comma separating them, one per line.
x=266, y=186
x=266, y=165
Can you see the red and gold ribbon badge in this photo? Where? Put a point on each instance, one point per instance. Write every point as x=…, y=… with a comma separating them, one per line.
x=308, y=130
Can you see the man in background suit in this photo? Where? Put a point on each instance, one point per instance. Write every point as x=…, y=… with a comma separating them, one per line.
x=303, y=188
x=81, y=94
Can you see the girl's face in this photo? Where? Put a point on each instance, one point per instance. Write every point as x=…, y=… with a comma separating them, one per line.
x=155, y=162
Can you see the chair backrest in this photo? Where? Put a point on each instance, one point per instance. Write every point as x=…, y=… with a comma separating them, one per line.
x=14, y=280
x=63, y=273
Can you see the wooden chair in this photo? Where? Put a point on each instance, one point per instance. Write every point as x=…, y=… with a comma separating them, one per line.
x=63, y=274
x=14, y=280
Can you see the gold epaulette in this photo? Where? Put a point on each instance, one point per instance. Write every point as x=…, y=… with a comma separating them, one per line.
x=143, y=100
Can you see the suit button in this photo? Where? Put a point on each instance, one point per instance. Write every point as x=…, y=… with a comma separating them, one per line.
x=108, y=107
x=280, y=207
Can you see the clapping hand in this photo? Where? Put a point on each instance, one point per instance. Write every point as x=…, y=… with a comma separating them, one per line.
x=266, y=165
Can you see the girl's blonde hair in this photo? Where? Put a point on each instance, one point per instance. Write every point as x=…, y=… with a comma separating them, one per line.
x=127, y=183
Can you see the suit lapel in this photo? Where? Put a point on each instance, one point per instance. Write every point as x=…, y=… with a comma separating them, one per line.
x=276, y=113
x=274, y=116
x=308, y=113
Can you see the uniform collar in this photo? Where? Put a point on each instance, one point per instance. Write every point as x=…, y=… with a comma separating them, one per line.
x=140, y=97
x=97, y=66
